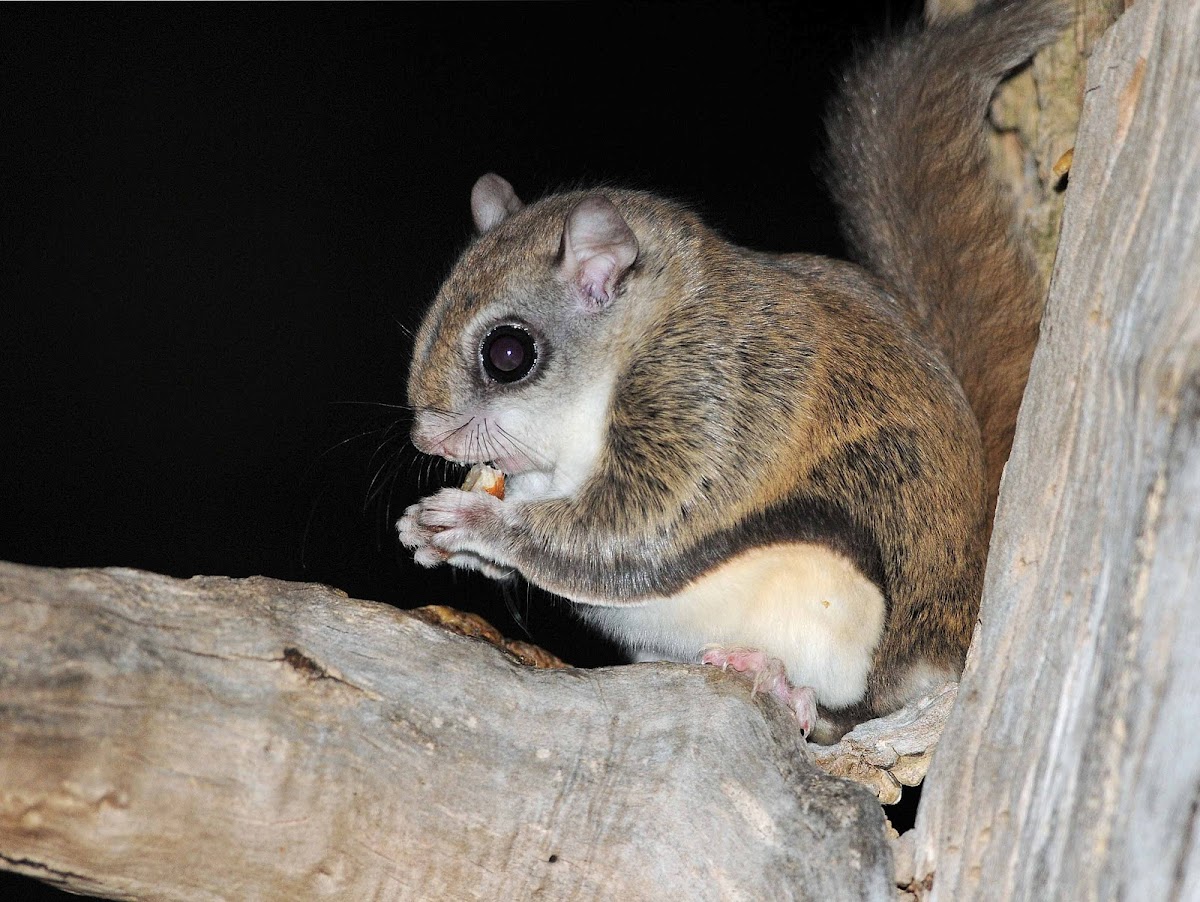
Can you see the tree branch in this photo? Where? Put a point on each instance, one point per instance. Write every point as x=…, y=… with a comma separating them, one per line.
x=219, y=738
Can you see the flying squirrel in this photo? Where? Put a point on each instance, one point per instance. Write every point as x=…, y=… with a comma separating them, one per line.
x=783, y=463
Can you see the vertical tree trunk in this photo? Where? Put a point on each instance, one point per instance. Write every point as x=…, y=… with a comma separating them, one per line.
x=1069, y=768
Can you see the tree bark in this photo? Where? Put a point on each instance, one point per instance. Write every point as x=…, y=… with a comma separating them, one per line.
x=1069, y=767
x=255, y=739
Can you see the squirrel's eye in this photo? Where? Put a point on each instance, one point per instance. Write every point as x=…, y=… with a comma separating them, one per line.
x=508, y=353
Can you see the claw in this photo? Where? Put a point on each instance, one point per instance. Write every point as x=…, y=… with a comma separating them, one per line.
x=768, y=673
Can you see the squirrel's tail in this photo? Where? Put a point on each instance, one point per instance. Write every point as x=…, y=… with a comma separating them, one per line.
x=910, y=172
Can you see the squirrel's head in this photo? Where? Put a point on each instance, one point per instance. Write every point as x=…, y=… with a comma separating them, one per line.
x=516, y=359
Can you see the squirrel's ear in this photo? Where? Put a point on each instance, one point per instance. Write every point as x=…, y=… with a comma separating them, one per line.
x=492, y=201
x=598, y=247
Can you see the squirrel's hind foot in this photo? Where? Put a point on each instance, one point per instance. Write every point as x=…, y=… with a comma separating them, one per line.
x=768, y=675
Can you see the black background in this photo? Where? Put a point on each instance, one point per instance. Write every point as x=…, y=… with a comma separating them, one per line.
x=220, y=222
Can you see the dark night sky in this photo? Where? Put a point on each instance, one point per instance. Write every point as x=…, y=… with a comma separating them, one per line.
x=217, y=221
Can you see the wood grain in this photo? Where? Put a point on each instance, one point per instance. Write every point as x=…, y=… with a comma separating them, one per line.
x=1069, y=768
x=254, y=739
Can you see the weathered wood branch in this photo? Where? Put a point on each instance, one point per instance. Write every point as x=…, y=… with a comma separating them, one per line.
x=217, y=738
x=1069, y=768
x=890, y=752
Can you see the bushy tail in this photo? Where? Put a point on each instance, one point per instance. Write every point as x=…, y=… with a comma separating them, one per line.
x=911, y=175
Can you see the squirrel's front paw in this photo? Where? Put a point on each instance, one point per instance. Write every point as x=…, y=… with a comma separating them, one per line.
x=417, y=536
x=445, y=524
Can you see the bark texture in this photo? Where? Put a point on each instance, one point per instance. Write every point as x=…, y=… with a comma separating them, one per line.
x=255, y=739
x=1069, y=767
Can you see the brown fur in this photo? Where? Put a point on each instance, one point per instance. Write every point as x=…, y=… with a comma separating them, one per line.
x=937, y=225
x=826, y=397
x=763, y=399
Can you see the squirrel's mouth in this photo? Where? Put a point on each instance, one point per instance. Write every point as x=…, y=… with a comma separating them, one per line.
x=471, y=440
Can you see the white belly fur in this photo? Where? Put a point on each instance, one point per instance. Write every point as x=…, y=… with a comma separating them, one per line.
x=804, y=604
